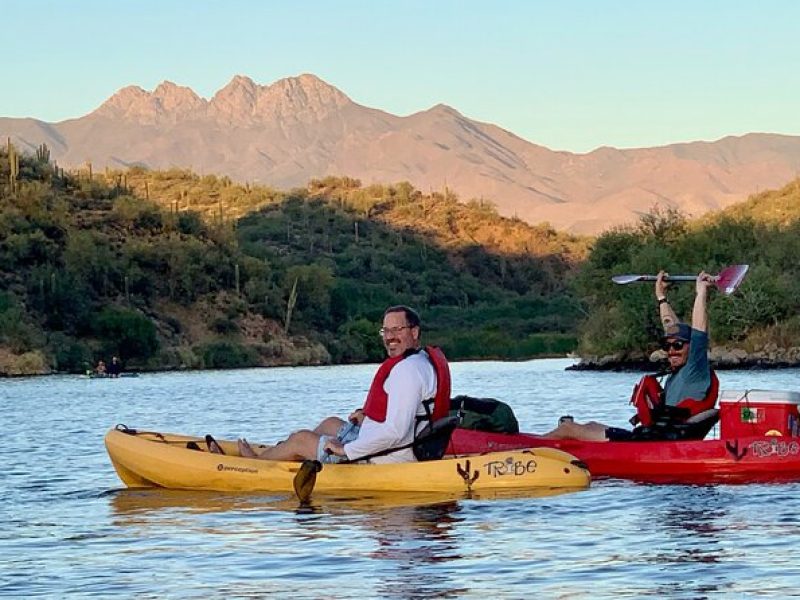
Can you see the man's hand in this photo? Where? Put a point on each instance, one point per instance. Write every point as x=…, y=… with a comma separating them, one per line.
x=334, y=447
x=661, y=285
x=356, y=417
x=704, y=281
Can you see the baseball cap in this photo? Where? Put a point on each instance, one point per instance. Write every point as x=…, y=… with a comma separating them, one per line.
x=680, y=331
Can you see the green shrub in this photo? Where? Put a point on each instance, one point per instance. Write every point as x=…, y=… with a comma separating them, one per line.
x=191, y=223
x=224, y=326
x=357, y=341
x=126, y=333
x=70, y=355
x=227, y=355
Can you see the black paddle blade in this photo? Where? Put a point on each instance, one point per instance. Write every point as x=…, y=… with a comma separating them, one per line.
x=305, y=479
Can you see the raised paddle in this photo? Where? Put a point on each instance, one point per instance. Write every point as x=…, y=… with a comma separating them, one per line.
x=726, y=281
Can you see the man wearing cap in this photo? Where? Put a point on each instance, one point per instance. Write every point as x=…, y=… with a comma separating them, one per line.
x=687, y=353
x=686, y=347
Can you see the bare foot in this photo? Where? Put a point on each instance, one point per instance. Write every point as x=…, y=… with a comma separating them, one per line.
x=245, y=449
x=213, y=446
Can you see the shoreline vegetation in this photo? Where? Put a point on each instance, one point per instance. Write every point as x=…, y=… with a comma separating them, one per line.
x=173, y=270
x=721, y=358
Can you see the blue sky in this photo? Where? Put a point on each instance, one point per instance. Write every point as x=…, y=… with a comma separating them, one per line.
x=570, y=75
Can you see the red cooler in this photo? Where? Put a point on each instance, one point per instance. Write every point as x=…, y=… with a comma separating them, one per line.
x=746, y=413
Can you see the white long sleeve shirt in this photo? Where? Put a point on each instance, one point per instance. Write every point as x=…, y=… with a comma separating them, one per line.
x=411, y=381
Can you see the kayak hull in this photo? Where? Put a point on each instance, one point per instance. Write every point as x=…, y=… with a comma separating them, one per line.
x=756, y=459
x=149, y=459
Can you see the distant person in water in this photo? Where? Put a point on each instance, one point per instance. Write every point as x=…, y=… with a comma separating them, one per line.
x=690, y=377
x=115, y=368
x=100, y=369
x=405, y=393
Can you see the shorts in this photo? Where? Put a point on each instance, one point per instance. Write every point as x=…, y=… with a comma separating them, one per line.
x=347, y=433
x=617, y=434
x=639, y=434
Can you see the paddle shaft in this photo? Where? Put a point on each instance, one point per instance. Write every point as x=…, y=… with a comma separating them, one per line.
x=726, y=281
x=668, y=278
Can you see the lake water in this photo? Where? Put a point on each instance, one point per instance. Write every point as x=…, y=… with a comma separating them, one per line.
x=68, y=528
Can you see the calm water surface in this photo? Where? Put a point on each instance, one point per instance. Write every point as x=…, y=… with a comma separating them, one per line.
x=68, y=528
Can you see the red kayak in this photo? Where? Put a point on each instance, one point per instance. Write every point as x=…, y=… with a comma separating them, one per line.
x=759, y=441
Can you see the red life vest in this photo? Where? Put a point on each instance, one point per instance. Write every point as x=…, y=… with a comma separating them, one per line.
x=648, y=396
x=377, y=398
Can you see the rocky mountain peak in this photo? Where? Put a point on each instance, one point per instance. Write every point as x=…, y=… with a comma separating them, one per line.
x=294, y=98
x=241, y=101
x=178, y=99
x=167, y=103
x=235, y=101
x=122, y=101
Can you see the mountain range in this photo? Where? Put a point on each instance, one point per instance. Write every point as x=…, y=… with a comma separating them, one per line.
x=300, y=128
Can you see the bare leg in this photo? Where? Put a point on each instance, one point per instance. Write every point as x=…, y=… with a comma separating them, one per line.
x=591, y=431
x=329, y=426
x=299, y=446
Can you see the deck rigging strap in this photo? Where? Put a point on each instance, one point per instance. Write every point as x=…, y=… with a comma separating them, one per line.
x=125, y=429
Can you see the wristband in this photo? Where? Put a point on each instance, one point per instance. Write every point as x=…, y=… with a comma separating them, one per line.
x=662, y=301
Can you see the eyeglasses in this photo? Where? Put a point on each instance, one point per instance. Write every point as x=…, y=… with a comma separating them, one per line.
x=392, y=330
x=676, y=345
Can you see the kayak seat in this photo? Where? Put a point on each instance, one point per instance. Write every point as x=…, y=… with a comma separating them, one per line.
x=432, y=441
x=692, y=428
x=698, y=426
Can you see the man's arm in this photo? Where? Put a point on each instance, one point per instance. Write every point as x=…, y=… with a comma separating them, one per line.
x=665, y=312
x=700, y=312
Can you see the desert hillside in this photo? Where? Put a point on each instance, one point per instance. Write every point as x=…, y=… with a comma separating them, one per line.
x=284, y=134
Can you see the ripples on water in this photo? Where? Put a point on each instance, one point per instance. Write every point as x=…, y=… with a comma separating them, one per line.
x=67, y=528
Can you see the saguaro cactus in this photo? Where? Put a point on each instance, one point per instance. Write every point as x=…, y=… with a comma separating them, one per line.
x=290, y=307
x=43, y=153
x=13, y=166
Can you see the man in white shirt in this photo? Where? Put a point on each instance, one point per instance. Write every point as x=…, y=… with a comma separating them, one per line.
x=389, y=417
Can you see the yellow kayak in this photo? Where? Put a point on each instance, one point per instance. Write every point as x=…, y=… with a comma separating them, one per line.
x=151, y=459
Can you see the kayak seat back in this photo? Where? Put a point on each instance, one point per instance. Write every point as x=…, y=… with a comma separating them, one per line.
x=432, y=441
x=697, y=426
x=693, y=428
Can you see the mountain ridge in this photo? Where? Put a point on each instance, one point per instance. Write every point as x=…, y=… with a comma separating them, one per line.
x=298, y=128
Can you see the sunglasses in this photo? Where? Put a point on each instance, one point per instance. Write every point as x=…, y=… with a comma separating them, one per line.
x=676, y=345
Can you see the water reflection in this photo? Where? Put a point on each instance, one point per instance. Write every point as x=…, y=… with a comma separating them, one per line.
x=404, y=541
x=408, y=542
x=125, y=503
x=693, y=511
x=687, y=525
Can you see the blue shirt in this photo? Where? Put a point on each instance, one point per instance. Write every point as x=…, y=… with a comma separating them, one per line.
x=693, y=379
